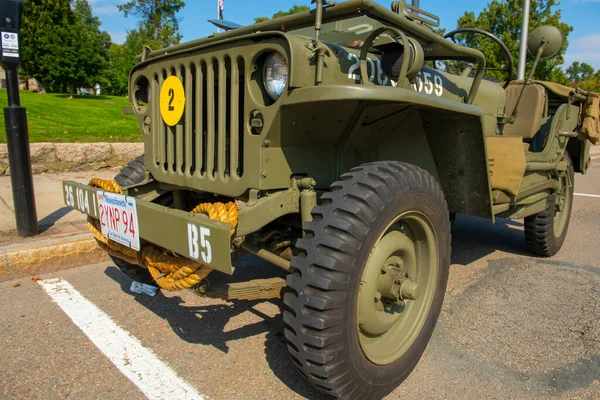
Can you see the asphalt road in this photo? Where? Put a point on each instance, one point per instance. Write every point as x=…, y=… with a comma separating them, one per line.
x=512, y=326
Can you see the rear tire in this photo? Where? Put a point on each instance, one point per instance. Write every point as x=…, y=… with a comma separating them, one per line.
x=345, y=342
x=545, y=232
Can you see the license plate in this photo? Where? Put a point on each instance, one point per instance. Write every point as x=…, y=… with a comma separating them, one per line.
x=118, y=218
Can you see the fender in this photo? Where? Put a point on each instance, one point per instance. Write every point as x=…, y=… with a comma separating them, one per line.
x=444, y=137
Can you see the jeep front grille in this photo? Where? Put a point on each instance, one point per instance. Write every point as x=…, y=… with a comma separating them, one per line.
x=208, y=142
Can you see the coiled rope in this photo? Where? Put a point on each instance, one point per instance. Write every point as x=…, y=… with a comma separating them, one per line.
x=169, y=271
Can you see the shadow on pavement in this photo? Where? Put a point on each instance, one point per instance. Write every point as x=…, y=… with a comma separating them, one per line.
x=50, y=220
x=205, y=324
x=472, y=239
x=475, y=238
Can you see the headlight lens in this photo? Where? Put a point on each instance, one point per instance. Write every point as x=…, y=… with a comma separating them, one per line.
x=275, y=74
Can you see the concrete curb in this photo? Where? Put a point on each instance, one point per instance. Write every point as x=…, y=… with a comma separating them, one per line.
x=48, y=255
x=53, y=157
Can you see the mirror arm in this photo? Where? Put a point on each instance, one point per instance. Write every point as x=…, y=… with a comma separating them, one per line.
x=528, y=81
x=538, y=56
x=318, y=19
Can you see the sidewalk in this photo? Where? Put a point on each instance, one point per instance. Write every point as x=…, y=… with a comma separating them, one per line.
x=64, y=240
x=53, y=215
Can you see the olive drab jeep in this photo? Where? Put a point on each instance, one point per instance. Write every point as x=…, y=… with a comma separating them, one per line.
x=331, y=144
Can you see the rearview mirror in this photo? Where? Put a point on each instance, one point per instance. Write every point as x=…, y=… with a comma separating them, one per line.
x=547, y=35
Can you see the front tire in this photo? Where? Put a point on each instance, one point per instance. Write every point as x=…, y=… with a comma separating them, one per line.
x=370, y=280
x=133, y=173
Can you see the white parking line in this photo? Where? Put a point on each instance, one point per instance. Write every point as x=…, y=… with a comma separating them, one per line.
x=153, y=377
x=587, y=195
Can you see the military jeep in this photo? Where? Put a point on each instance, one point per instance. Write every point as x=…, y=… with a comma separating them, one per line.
x=343, y=153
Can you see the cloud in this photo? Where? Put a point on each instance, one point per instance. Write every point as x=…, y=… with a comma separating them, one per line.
x=105, y=10
x=105, y=7
x=584, y=49
x=118, y=37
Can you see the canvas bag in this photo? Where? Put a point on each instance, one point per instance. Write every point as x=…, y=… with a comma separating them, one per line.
x=506, y=162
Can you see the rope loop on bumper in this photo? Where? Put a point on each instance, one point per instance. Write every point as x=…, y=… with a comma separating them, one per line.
x=169, y=271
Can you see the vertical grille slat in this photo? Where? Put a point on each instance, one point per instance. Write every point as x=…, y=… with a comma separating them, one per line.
x=241, y=116
x=156, y=120
x=170, y=132
x=189, y=144
x=233, y=118
x=199, y=120
x=161, y=131
x=179, y=155
x=222, y=126
x=208, y=141
x=210, y=119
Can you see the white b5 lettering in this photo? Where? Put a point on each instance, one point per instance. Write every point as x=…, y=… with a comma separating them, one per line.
x=202, y=248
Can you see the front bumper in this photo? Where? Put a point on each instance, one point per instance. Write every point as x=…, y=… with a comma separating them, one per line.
x=174, y=230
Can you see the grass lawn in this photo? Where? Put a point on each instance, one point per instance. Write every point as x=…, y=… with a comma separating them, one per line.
x=56, y=118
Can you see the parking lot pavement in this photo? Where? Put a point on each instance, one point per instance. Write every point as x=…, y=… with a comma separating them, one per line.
x=512, y=326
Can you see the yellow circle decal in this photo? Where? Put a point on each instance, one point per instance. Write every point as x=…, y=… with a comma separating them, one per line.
x=172, y=100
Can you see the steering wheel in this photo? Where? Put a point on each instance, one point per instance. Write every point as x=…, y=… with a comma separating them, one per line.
x=511, y=64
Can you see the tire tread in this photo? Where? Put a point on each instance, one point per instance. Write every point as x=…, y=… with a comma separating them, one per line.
x=317, y=297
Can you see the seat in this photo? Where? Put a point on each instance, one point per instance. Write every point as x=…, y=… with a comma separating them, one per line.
x=532, y=111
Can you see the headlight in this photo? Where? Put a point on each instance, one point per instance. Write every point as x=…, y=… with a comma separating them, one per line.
x=275, y=74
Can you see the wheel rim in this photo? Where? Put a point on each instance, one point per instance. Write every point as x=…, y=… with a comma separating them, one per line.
x=397, y=288
x=563, y=206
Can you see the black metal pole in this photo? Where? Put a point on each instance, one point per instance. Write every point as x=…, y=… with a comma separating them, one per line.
x=12, y=91
x=19, y=160
x=15, y=119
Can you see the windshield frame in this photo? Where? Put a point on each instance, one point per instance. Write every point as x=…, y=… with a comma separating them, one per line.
x=435, y=46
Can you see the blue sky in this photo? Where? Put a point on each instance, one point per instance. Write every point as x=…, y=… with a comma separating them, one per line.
x=583, y=15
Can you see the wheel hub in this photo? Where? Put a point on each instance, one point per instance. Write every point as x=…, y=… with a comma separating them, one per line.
x=397, y=288
x=395, y=285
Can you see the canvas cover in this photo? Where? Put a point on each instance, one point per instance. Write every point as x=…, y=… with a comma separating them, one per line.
x=590, y=125
x=506, y=162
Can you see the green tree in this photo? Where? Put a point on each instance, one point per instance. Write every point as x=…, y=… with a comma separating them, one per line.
x=44, y=29
x=159, y=26
x=122, y=58
x=92, y=45
x=62, y=47
x=579, y=72
x=116, y=74
x=592, y=83
x=294, y=10
x=503, y=19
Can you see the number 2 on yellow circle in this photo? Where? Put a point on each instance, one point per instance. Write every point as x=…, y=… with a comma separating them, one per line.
x=172, y=100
